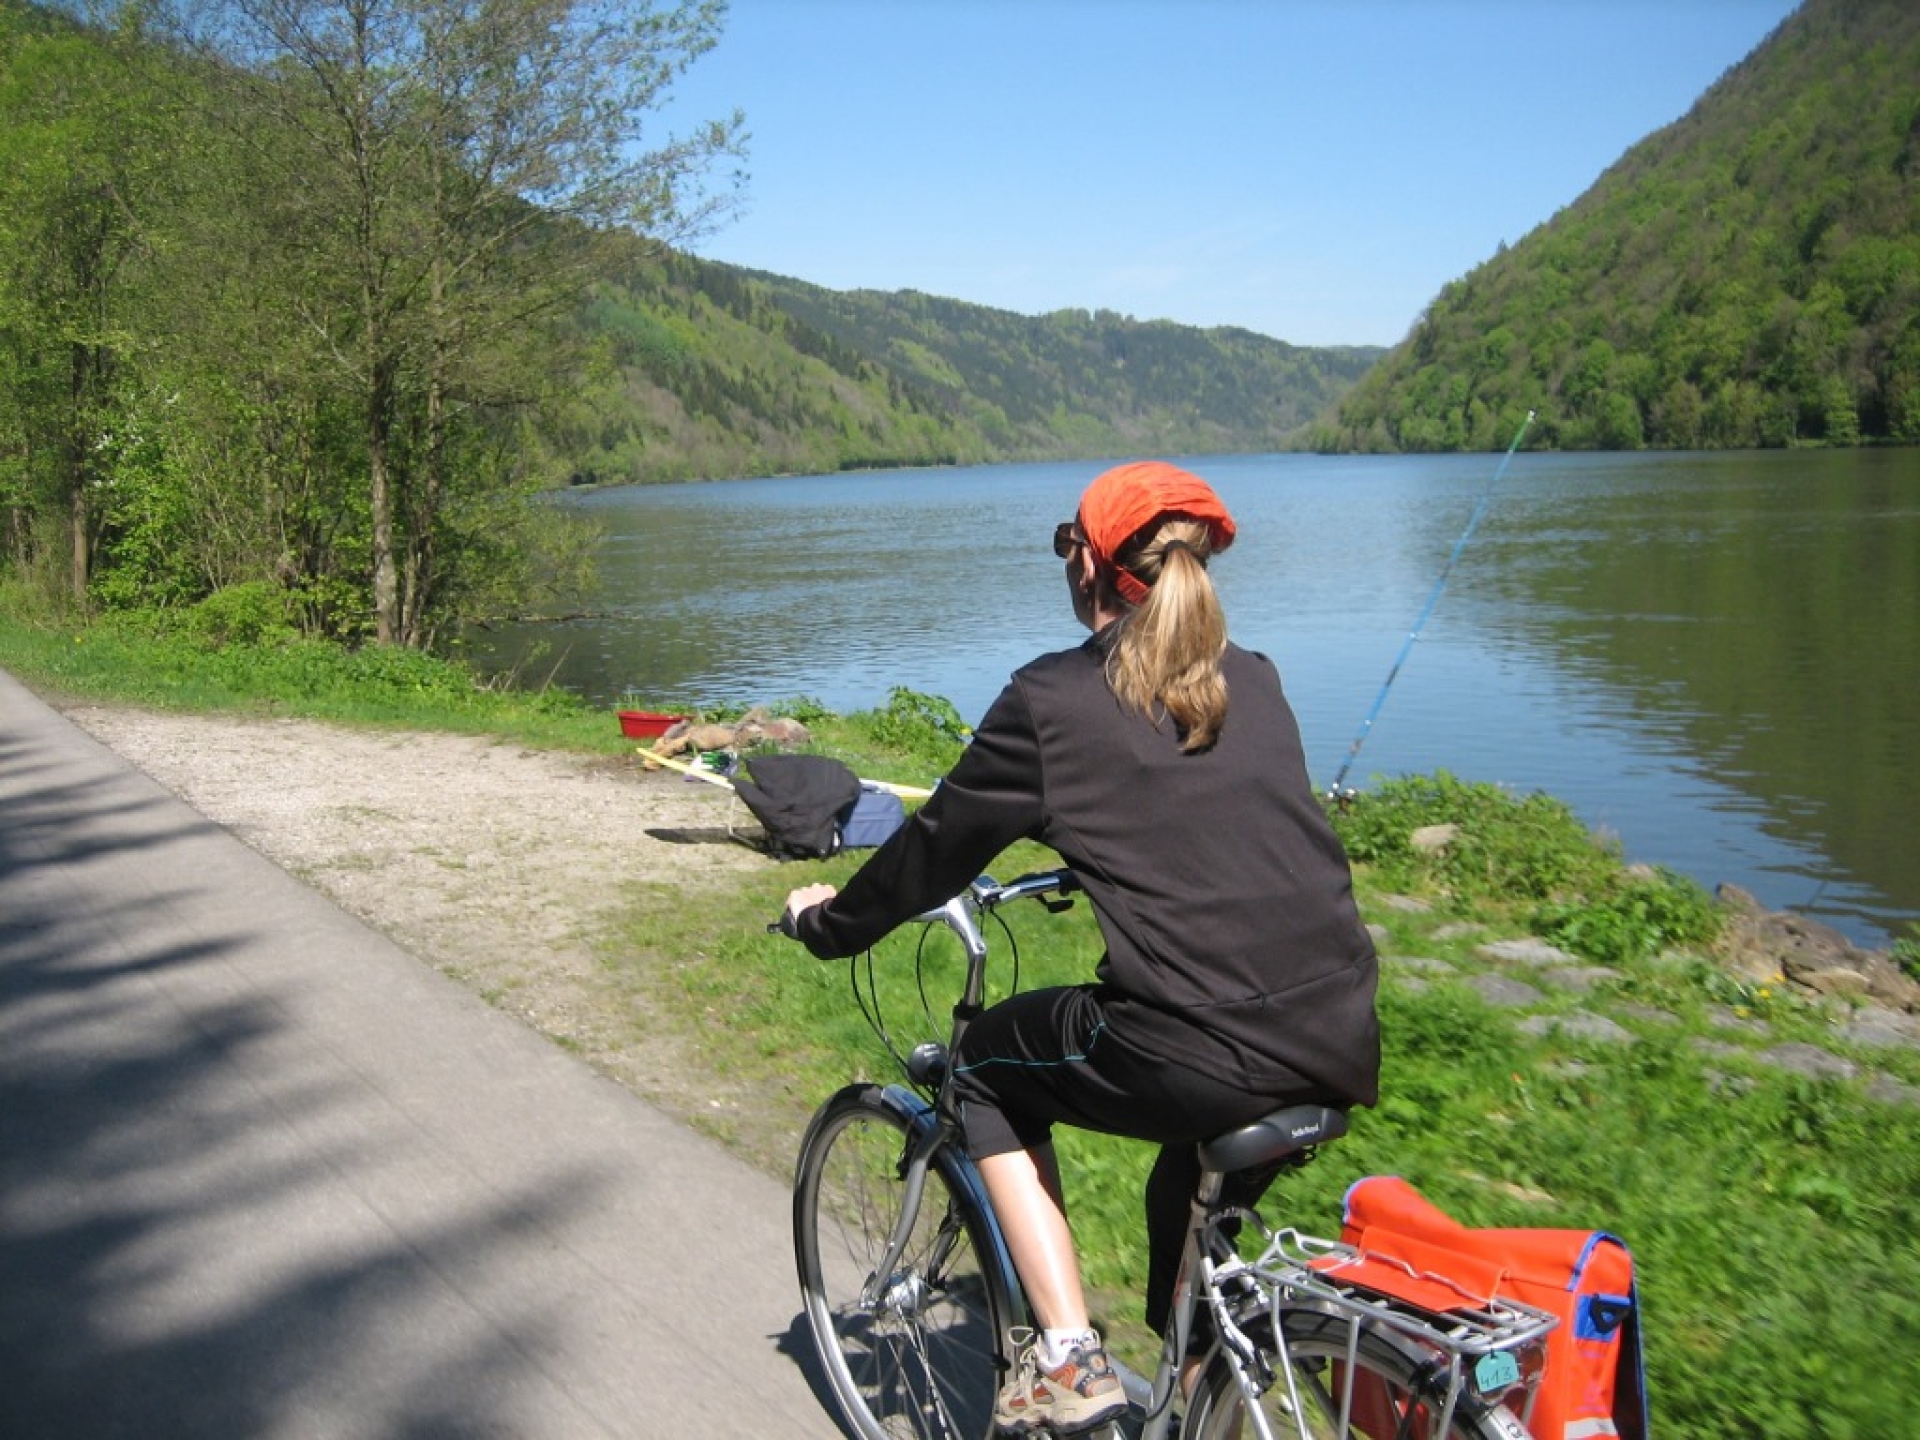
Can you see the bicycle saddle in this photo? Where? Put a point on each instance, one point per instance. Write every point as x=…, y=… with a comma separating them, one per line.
x=1273, y=1137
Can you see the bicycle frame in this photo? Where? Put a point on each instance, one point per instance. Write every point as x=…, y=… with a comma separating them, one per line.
x=1197, y=1284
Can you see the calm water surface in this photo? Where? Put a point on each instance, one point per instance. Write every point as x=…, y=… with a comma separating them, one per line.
x=1715, y=657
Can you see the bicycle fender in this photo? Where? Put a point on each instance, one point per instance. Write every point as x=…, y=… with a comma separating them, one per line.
x=1505, y=1422
x=964, y=1176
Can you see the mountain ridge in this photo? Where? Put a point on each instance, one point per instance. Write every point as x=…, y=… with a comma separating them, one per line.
x=715, y=370
x=1747, y=276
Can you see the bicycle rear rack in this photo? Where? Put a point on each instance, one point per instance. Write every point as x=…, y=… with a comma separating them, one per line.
x=1490, y=1348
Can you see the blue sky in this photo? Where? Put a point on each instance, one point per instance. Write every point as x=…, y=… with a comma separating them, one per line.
x=1312, y=170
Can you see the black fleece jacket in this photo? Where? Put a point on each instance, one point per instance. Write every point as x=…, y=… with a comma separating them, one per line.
x=1233, y=943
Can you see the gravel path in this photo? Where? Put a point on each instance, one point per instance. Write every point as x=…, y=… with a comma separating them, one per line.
x=501, y=866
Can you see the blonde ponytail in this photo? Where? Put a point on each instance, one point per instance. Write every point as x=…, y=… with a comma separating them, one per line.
x=1167, y=656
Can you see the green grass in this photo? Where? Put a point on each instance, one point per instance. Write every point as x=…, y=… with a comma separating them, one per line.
x=1772, y=1216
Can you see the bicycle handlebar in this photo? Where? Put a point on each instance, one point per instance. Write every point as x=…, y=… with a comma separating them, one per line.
x=984, y=894
x=961, y=916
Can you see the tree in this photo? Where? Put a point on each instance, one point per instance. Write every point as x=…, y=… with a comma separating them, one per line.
x=82, y=154
x=437, y=173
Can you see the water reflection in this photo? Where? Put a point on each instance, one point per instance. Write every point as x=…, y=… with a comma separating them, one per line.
x=1755, y=618
x=1714, y=656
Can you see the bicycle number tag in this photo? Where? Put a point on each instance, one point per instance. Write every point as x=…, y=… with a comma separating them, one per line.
x=1496, y=1372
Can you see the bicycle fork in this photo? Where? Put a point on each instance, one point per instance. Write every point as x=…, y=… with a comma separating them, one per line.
x=885, y=1286
x=929, y=1136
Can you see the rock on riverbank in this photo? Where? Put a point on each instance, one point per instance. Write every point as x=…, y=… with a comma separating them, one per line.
x=1813, y=960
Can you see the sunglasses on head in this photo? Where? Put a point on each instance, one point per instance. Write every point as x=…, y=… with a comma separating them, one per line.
x=1066, y=540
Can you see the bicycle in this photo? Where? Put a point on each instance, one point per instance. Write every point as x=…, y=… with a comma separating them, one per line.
x=910, y=1295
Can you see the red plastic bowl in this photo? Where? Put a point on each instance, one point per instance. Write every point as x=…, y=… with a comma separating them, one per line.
x=646, y=724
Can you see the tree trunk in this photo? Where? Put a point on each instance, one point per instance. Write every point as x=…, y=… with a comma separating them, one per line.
x=84, y=367
x=81, y=523
x=386, y=588
x=421, y=578
x=429, y=487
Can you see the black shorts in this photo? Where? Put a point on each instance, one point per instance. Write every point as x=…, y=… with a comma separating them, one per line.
x=1057, y=1056
x=1049, y=1057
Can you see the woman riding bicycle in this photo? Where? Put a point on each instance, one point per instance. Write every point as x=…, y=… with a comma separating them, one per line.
x=1163, y=764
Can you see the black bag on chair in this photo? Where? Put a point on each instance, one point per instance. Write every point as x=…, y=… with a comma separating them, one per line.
x=799, y=800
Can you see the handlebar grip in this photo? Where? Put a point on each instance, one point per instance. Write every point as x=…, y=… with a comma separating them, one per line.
x=783, y=926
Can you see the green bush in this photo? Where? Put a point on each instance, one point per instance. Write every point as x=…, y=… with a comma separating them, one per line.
x=1509, y=847
x=926, y=728
x=1528, y=855
x=807, y=709
x=1632, y=916
x=255, y=613
x=1906, y=952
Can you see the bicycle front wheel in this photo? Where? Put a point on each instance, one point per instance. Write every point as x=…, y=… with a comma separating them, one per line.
x=915, y=1352
x=1387, y=1392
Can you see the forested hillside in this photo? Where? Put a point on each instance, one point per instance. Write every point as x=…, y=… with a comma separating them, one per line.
x=715, y=371
x=1748, y=276
x=308, y=316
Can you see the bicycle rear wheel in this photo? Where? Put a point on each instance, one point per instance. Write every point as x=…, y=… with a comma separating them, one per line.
x=1389, y=1392
x=917, y=1352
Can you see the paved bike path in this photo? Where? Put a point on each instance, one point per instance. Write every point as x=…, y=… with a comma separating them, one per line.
x=264, y=1174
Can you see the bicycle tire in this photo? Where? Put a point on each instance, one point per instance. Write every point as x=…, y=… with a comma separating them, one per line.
x=924, y=1358
x=1393, y=1399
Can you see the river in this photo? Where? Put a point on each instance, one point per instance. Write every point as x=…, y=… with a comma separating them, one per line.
x=1715, y=657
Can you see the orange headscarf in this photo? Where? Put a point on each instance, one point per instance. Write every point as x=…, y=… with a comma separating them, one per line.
x=1128, y=498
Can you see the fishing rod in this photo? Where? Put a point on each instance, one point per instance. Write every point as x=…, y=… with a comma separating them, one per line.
x=1334, y=792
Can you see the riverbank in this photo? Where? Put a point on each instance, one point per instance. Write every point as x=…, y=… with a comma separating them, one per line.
x=513, y=870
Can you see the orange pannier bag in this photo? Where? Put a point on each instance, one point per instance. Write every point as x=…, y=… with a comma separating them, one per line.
x=1594, y=1386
